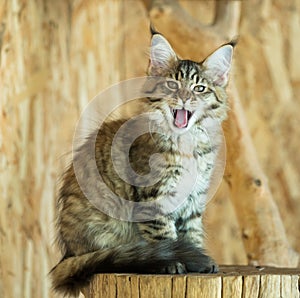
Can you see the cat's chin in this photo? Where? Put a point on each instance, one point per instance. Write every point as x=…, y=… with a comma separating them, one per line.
x=179, y=130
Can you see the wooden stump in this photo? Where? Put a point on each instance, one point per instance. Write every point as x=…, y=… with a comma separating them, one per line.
x=230, y=282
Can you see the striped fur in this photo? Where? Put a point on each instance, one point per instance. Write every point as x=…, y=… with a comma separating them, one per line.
x=92, y=241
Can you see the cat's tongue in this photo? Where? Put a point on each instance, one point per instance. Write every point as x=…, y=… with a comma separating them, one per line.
x=181, y=118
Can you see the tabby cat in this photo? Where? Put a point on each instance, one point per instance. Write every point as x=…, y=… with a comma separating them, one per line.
x=155, y=241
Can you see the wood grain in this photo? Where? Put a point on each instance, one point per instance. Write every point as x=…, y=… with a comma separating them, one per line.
x=231, y=281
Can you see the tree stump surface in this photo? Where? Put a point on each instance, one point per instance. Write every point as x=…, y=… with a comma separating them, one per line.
x=230, y=282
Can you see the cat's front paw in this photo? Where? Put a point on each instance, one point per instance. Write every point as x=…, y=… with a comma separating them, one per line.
x=178, y=268
x=211, y=268
x=204, y=265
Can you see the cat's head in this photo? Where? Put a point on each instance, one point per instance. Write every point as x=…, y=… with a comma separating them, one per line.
x=192, y=90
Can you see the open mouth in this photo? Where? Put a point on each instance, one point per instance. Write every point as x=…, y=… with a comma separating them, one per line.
x=181, y=117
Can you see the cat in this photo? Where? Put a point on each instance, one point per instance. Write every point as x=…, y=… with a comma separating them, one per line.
x=156, y=241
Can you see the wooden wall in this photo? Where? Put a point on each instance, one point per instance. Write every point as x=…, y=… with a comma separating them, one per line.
x=57, y=55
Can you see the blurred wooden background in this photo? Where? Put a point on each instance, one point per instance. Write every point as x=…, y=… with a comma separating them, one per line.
x=57, y=55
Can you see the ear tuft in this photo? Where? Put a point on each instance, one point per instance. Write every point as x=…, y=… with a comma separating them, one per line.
x=162, y=56
x=218, y=64
x=153, y=31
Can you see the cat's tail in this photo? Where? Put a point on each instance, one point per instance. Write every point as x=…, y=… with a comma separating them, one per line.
x=73, y=273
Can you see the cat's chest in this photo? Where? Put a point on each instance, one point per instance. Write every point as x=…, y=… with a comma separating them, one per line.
x=191, y=151
x=194, y=163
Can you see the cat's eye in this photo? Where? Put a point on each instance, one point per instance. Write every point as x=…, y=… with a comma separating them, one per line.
x=199, y=88
x=173, y=85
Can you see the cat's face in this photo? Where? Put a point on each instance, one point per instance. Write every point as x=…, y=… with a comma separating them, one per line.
x=192, y=91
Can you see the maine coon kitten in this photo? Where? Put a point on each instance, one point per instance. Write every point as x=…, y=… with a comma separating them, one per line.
x=92, y=241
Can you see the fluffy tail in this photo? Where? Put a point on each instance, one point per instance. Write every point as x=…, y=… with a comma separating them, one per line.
x=73, y=273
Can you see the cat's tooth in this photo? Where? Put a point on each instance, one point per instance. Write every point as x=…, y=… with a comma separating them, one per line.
x=173, y=112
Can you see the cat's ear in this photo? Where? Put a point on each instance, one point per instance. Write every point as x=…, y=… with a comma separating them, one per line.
x=217, y=65
x=162, y=56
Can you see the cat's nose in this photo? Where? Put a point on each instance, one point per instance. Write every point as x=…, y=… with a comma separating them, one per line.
x=184, y=94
